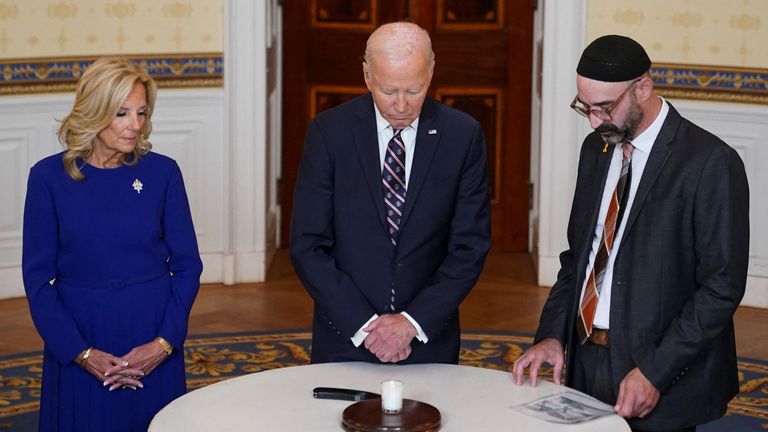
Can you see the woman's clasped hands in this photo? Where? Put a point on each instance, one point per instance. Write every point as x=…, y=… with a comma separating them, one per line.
x=126, y=371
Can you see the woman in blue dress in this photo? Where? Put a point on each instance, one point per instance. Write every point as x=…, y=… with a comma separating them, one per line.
x=110, y=260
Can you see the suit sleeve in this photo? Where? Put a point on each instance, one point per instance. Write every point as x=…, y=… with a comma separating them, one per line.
x=312, y=238
x=468, y=245
x=721, y=226
x=53, y=321
x=184, y=261
x=555, y=315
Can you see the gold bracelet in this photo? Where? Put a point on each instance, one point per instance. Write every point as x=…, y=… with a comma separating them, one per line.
x=83, y=357
x=166, y=346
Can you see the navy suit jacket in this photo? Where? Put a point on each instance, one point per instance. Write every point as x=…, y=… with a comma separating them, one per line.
x=679, y=274
x=340, y=244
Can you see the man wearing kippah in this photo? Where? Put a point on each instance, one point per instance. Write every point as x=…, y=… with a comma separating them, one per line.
x=642, y=310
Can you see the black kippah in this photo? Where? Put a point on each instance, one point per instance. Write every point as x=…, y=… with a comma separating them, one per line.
x=613, y=58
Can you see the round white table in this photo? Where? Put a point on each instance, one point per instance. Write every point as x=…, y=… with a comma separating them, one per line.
x=469, y=399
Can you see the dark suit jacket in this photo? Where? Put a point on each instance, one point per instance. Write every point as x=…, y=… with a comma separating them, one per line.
x=340, y=244
x=678, y=277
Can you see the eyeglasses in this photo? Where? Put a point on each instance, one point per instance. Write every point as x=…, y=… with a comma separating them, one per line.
x=603, y=114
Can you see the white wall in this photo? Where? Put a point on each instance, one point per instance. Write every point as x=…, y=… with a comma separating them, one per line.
x=251, y=114
x=743, y=126
x=27, y=133
x=560, y=131
x=227, y=143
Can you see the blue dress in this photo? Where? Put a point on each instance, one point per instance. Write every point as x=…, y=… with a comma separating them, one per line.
x=109, y=262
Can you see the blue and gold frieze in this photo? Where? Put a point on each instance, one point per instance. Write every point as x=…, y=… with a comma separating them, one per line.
x=26, y=76
x=714, y=83
x=61, y=74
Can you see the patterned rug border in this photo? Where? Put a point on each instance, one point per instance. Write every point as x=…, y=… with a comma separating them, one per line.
x=193, y=340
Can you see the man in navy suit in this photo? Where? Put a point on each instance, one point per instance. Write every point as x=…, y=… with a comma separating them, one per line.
x=659, y=343
x=391, y=220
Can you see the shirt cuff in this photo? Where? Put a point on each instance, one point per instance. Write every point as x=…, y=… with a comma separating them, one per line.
x=360, y=336
x=420, y=335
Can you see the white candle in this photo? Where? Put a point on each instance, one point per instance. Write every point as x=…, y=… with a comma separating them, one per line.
x=391, y=396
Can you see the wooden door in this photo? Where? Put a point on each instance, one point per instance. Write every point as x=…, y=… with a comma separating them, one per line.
x=483, y=52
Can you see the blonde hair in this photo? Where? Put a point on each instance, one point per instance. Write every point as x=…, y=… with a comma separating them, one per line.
x=101, y=91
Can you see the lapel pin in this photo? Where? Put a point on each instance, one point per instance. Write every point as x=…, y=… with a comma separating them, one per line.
x=605, y=149
x=137, y=186
x=432, y=132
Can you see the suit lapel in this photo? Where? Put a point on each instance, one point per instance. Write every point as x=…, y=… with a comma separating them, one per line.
x=659, y=154
x=601, y=166
x=366, y=142
x=424, y=152
x=598, y=163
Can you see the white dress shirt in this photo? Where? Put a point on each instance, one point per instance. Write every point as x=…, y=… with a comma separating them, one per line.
x=408, y=137
x=643, y=144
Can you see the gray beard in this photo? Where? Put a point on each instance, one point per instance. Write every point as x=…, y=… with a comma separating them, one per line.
x=613, y=134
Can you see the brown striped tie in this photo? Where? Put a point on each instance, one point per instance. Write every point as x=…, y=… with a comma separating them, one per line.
x=610, y=227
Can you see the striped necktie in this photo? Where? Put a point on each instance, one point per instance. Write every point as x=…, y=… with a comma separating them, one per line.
x=393, y=180
x=613, y=218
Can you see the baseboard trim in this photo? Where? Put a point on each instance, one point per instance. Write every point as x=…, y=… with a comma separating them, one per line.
x=11, y=285
x=547, y=268
x=230, y=269
x=757, y=292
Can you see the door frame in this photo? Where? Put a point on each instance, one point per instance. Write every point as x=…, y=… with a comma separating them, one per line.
x=559, y=33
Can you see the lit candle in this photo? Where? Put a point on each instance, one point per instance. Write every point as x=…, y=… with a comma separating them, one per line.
x=391, y=396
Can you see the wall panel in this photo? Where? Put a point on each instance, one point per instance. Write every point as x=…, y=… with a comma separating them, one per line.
x=745, y=128
x=13, y=157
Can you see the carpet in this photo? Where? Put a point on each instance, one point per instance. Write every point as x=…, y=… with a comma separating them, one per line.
x=213, y=358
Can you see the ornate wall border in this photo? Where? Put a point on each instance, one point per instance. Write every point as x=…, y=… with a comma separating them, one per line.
x=48, y=75
x=713, y=83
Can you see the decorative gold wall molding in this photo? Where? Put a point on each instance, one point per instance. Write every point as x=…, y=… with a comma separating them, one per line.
x=323, y=97
x=361, y=15
x=714, y=83
x=470, y=15
x=25, y=76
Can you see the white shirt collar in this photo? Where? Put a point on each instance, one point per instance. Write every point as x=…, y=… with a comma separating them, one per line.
x=645, y=140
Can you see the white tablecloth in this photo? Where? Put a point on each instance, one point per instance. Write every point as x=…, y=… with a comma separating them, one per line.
x=470, y=399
